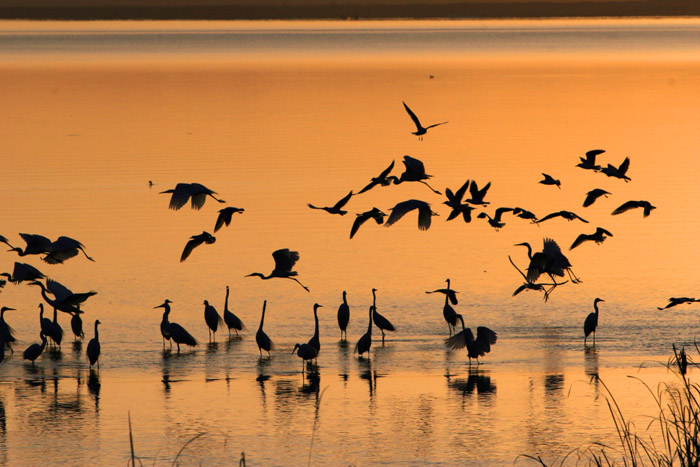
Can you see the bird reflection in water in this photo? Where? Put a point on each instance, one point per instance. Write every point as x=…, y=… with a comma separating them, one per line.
x=476, y=382
x=77, y=348
x=553, y=383
x=591, y=365
x=212, y=347
x=94, y=386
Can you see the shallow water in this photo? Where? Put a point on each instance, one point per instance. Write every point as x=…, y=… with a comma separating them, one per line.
x=273, y=116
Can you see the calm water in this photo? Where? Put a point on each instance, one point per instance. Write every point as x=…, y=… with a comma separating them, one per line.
x=275, y=115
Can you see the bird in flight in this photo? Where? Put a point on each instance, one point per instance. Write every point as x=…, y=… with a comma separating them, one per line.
x=384, y=179
x=673, y=301
x=414, y=172
x=195, y=192
x=495, y=221
x=477, y=195
x=599, y=236
x=425, y=214
x=618, y=172
x=420, y=129
x=593, y=195
x=634, y=204
x=588, y=162
x=454, y=200
x=225, y=216
x=337, y=208
x=361, y=218
x=62, y=249
x=549, y=180
x=194, y=242
x=525, y=214
x=568, y=215
x=284, y=262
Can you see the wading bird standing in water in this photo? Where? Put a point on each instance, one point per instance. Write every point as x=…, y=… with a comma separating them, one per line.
x=420, y=129
x=361, y=218
x=232, y=321
x=212, y=318
x=175, y=332
x=591, y=322
x=33, y=351
x=344, y=317
x=195, y=241
x=476, y=348
x=186, y=191
x=425, y=214
x=6, y=332
x=93, y=347
x=363, y=345
x=414, y=172
x=76, y=325
x=451, y=294
x=262, y=339
x=337, y=208
x=382, y=323
x=314, y=341
x=306, y=352
x=225, y=216
x=284, y=262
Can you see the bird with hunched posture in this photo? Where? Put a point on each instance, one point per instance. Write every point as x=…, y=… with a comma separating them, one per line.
x=380, y=321
x=36, y=244
x=344, y=317
x=425, y=214
x=361, y=218
x=225, y=216
x=306, y=352
x=64, y=248
x=451, y=294
x=568, y=215
x=593, y=195
x=476, y=348
x=177, y=333
x=212, y=318
x=414, y=172
x=285, y=260
x=195, y=192
x=194, y=242
x=23, y=272
x=646, y=205
x=591, y=322
x=93, y=347
x=337, y=208
x=76, y=325
x=673, y=301
x=454, y=201
x=420, y=129
x=450, y=315
x=365, y=342
x=549, y=180
x=477, y=195
x=383, y=179
x=599, y=236
x=588, y=162
x=6, y=332
x=34, y=351
x=618, y=172
x=495, y=221
x=261, y=338
x=232, y=321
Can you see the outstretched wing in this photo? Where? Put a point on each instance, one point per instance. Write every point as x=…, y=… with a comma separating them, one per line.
x=591, y=155
x=459, y=194
x=625, y=207
x=549, y=216
x=386, y=171
x=398, y=211
x=59, y=291
x=624, y=166
x=359, y=220
x=485, y=338
x=579, y=240
x=343, y=201
x=413, y=116
x=285, y=259
x=191, y=245
x=181, y=194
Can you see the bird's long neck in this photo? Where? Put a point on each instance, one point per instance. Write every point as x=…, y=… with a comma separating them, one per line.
x=41, y=311
x=97, y=334
x=316, y=321
x=19, y=251
x=226, y=301
x=369, y=328
x=262, y=318
x=43, y=342
x=595, y=306
x=260, y=275
x=54, y=314
x=166, y=312
x=345, y=300
x=529, y=249
x=374, y=298
x=43, y=294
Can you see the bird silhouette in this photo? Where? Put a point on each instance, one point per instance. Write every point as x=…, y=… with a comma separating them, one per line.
x=194, y=192
x=454, y=201
x=424, y=213
x=225, y=216
x=476, y=348
x=344, y=317
x=64, y=248
x=646, y=205
x=591, y=322
x=451, y=294
x=76, y=325
x=56, y=331
x=365, y=342
x=380, y=321
x=64, y=299
x=549, y=180
x=306, y=352
x=284, y=262
x=673, y=301
x=529, y=285
x=414, y=172
x=420, y=129
x=599, y=236
x=45, y=323
x=232, y=321
x=177, y=333
x=495, y=221
x=593, y=195
x=213, y=319
x=384, y=179
x=361, y=218
x=262, y=339
x=194, y=242
x=568, y=215
x=449, y=314
x=34, y=351
x=164, y=323
x=314, y=341
x=588, y=162
x=6, y=332
x=23, y=272
x=337, y=208
x=36, y=244
x=93, y=347
x=477, y=195
x=525, y=214
x=550, y=261
x=618, y=172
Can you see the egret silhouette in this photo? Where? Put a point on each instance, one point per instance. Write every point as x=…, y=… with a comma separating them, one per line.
x=528, y=285
x=64, y=299
x=164, y=322
x=64, y=248
x=568, y=215
x=361, y=218
x=36, y=245
x=314, y=341
x=549, y=180
x=93, y=347
x=56, y=333
x=185, y=191
x=337, y=208
x=306, y=352
x=593, y=195
x=363, y=345
x=380, y=321
x=591, y=322
x=23, y=272
x=450, y=315
x=476, y=348
x=646, y=205
x=6, y=332
x=212, y=318
x=550, y=261
x=599, y=236
x=454, y=201
x=177, y=333
x=344, y=317
x=384, y=179
x=420, y=129
x=225, y=216
x=76, y=325
x=673, y=301
x=34, y=351
x=263, y=340
x=414, y=172
x=195, y=241
x=618, y=172
x=495, y=221
x=232, y=321
x=45, y=323
x=451, y=294
x=588, y=162
x=425, y=214
x=477, y=195
x=284, y=262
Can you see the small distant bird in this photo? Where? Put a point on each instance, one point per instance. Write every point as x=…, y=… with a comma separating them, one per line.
x=568, y=215
x=232, y=321
x=476, y=348
x=225, y=216
x=495, y=221
x=634, y=204
x=593, y=195
x=93, y=347
x=477, y=195
x=64, y=248
x=454, y=201
x=525, y=214
x=451, y=294
x=344, y=317
x=261, y=338
x=36, y=244
x=618, y=172
x=673, y=301
x=589, y=161
x=23, y=272
x=599, y=236
x=420, y=129
x=361, y=218
x=194, y=242
x=365, y=342
x=195, y=192
x=414, y=172
x=380, y=321
x=284, y=262
x=212, y=318
x=549, y=180
x=34, y=351
x=591, y=322
x=384, y=179
x=425, y=214
x=337, y=208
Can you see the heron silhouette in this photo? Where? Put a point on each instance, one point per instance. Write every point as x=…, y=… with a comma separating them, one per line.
x=232, y=321
x=93, y=347
x=549, y=180
x=284, y=262
x=379, y=320
x=673, y=301
x=45, y=323
x=225, y=216
x=618, y=172
x=35, y=350
x=588, y=162
x=306, y=352
x=212, y=318
x=76, y=325
x=56, y=333
x=495, y=221
x=568, y=215
x=261, y=338
x=194, y=192
x=450, y=315
x=476, y=348
x=420, y=129
x=529, y=285
x=425, y=214
x=591, y=322
x=451, y=294
x=593, y=195
x=64, y=299
x=646, y=205
x=414, y=172
x=599, y=236
x=344, y=317
x=477, y=195
x=6, y=332
x=195, y=241
x=64, y=248
x=35, y=244
x=314, y=341
x=23, y=272
x=383, y=179
x=361, y=218
x=174, y=331
x=365, y=342
x=550, y=261
x=337, y=208
x=454, y=201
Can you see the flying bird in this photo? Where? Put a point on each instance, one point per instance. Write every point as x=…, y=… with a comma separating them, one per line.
x=550, y=261
x=337, y=208
x=454, y=201
x=284, y=262
x=361, y=218
x=549, y=180
x=64, y=299
x=23, y=272
x=425, y=214
x=599, y=236
x=194, y=192
x=420, y=129
x=618, y=172
x=673, y=301
x=568, y=215
x=451, y=294
x=225, y=216
x=414, y=172
x=194, y=242
x=591, y=322
x=525, y=214
x=477, y=195
x=384, y=179
x=36, y=244
x=528, y=285
x=495, y=221
x=634, y=204
x=64, y=248
x=476, y=348
x=588, y=162
x=593, y=195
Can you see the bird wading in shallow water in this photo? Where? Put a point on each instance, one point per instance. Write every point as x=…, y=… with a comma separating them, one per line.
x=344, y=317
x=365, y=342
x=591, y=322
x=379, y=320
x=261, y=338
x=213, y=319
x=232, y=321
x=476, y=347
x=176, y=333
x=93, y=347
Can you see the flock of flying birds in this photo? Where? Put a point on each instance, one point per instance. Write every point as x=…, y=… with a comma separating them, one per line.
x=549, y=263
